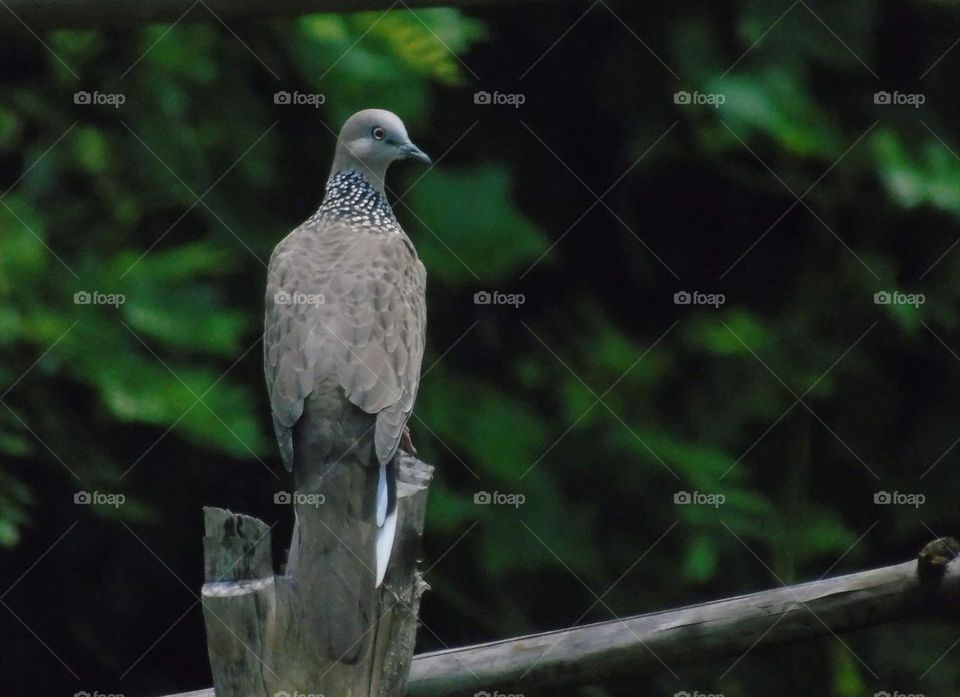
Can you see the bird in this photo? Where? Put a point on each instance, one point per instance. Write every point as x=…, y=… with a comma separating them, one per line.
x=344, y=335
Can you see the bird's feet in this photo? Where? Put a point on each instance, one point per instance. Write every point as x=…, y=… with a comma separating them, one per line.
x=405, y=441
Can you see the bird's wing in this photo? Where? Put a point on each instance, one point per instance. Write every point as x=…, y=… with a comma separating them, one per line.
x=365, y=326
x=383, y=326
x=290, y=368
x=404, y=349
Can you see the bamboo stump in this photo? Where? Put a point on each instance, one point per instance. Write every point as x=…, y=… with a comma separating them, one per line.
x=258, y=643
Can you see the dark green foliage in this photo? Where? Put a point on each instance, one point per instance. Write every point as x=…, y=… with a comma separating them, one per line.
x=597, y=399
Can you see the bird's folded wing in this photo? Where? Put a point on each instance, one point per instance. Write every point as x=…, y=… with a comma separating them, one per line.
x=350, y=305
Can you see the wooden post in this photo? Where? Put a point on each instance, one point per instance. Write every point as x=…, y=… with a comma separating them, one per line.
x=927, y=588
x=258, y=644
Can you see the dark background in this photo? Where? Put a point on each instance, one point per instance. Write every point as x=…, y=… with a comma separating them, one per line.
x=597, y=399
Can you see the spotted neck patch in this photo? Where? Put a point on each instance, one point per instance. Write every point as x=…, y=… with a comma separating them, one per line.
x=352, y=199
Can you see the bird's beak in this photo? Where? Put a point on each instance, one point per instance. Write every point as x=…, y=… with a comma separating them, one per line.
x=411, y=151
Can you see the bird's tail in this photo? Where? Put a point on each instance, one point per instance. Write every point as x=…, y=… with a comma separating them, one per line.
x=386, y=516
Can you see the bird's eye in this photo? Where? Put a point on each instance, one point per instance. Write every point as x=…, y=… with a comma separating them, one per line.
x=379, y=133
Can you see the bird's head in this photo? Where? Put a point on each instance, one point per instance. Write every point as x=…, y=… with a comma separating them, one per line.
x=369, y=141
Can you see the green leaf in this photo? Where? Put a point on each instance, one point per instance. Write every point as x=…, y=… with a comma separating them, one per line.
x=427, y=41
x=930, y=177
x=777, y=103
x=701, y=559
x=738, y=332
x=503, y=434
x=469, y=226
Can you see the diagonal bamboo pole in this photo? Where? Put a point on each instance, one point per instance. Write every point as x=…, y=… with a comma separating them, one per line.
x=926, y=587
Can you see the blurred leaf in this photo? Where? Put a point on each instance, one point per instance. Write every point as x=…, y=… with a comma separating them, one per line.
x=428, y=41
x=701, y=559
x=468, y=223
x=777, y=103
x=932, y=178
x=738, y=332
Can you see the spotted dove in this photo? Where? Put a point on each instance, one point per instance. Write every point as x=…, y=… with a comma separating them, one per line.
x=343, y=342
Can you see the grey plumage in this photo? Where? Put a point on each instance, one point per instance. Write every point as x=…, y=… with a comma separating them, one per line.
x=343, y=344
